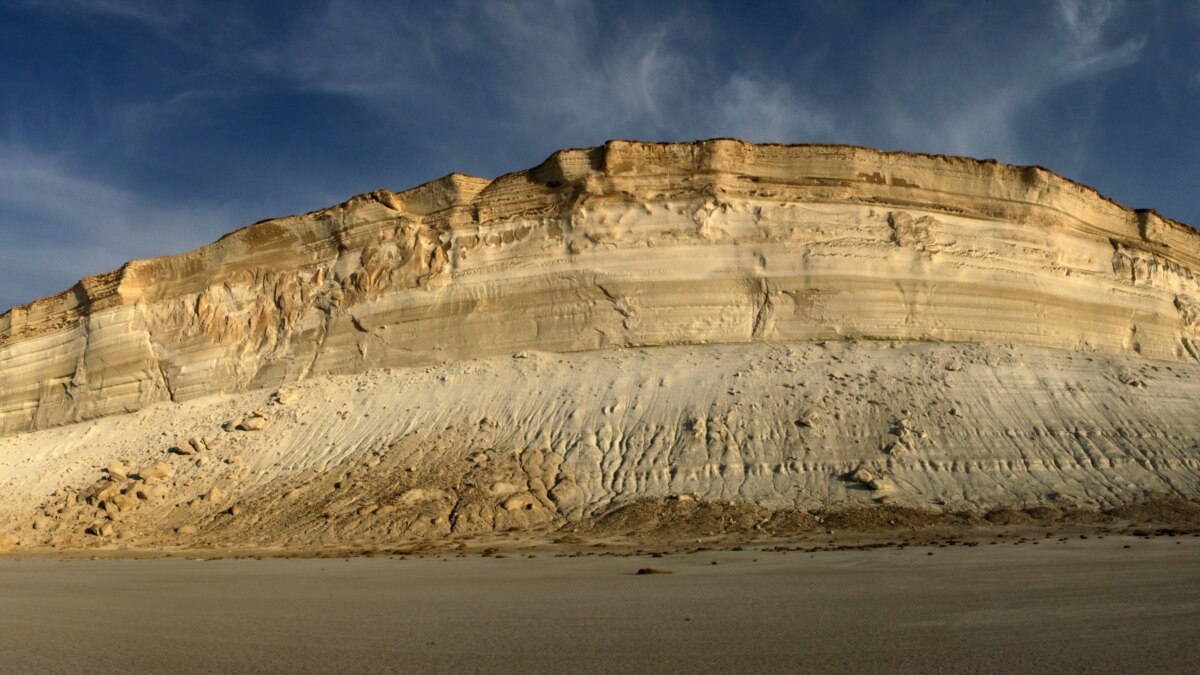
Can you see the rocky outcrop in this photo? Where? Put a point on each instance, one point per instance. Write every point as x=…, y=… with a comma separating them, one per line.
x=629, y=244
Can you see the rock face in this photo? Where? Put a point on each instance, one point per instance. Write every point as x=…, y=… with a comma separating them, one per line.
x=832, y=328
x=629, y=244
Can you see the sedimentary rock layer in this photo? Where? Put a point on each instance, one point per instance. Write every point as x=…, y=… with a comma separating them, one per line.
x=629, y=244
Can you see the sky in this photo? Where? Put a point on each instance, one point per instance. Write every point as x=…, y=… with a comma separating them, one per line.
x=139, y=128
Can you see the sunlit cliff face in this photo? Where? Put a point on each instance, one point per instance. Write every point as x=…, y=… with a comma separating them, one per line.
x=629, y=244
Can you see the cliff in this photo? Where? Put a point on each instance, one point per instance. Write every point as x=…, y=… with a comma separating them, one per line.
x=629, y=244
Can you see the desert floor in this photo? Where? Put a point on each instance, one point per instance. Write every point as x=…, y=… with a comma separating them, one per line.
x=1114, y=604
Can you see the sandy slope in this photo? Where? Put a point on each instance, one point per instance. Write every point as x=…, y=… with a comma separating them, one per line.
x=539, y=440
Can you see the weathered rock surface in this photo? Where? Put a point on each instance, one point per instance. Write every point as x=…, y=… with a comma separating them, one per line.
x=629, y=244
x=736, y=330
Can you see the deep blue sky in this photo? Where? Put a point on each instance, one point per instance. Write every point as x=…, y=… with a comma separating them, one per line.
x=133, y=128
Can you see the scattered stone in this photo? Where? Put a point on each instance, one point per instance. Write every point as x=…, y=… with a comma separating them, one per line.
x=652, y=570
x=106, y=493
x=139, y=490
x=862, y=475
x=117, y=470
x=257, y=422
x=214, y=495
x=810, y=419
x=186, y=529
x=880, y=485
x=123, y=502
x=284, y=397
x=232, y=424
x=156, y=471
x=236, y=459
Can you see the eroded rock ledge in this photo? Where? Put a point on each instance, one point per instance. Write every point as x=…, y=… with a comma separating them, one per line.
x=629, y=244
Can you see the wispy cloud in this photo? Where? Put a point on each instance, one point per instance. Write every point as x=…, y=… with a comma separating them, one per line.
x=97, y=225
x=768, y=110
x=974, y=96
x=158, y=14
x=359, y=49
x=556, y=70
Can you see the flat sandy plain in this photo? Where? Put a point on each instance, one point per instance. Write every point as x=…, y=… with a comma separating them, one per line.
x=1116, y=604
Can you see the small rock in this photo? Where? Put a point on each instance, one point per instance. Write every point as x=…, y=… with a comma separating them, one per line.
x=862, y=475
x=255, y=423
x=284, y=397
x=502, y=489
x=879, y=485
x=232, y=424
x=156, y=471
x=123, y=502
x=186, y=529
x=368, y=510
x=521, y=502
x=108, y=492
x=214, y=495
x=234, y=511
x=118, y=471
x=139, y=490
x=236, y=459
x=652, y=570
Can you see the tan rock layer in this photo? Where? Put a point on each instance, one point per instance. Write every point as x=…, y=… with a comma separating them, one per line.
x=625, y=245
